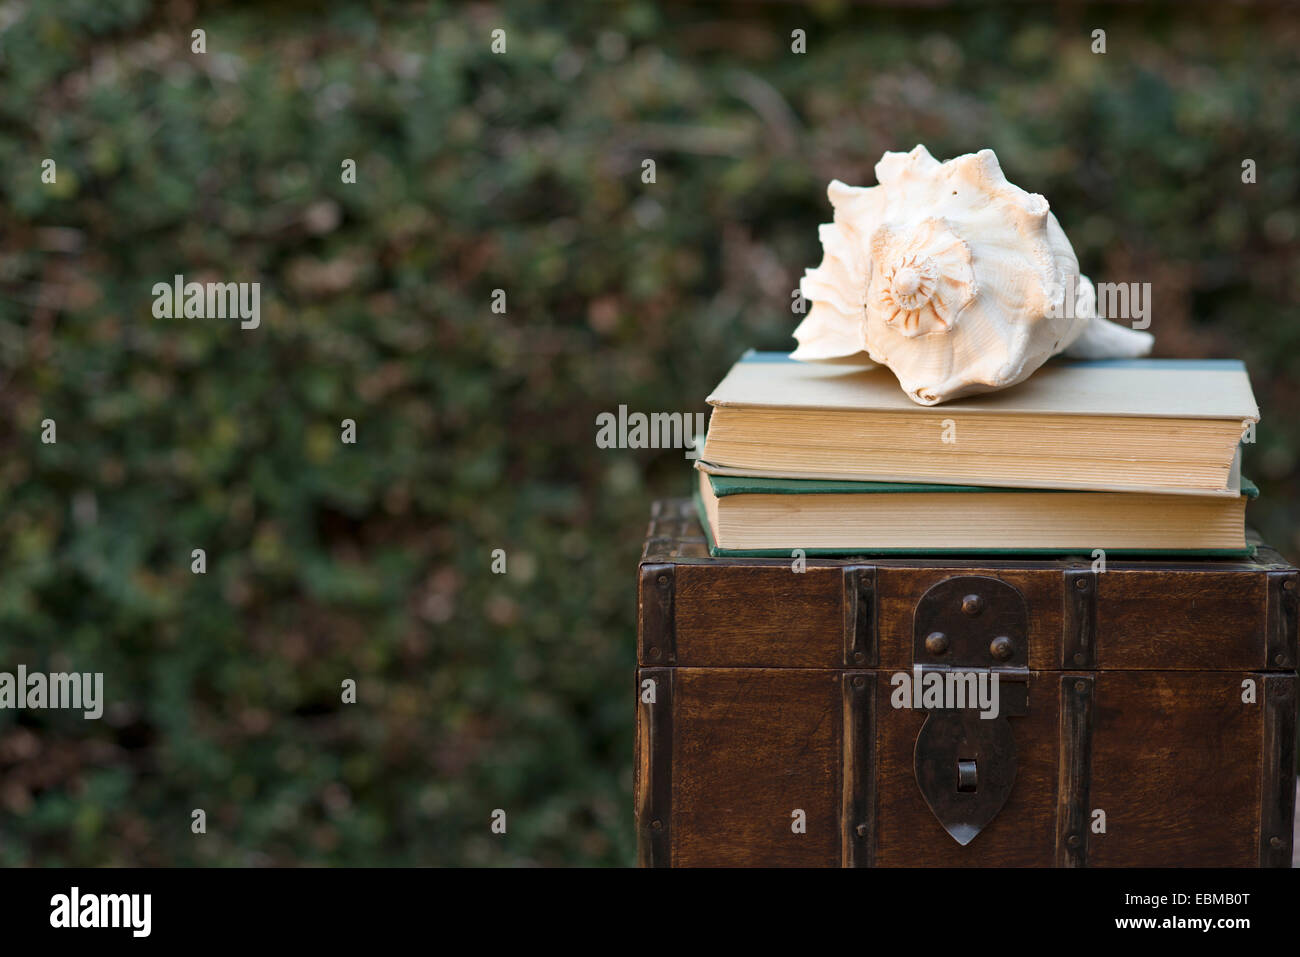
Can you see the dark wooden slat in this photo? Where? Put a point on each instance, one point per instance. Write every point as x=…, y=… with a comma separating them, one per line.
x=1073, y=813
x=858, y=798
x=1281, y=620
x=1277, y=780
x=654, y=768
x=859, y=601
x=1079, y=642
x=658, y=618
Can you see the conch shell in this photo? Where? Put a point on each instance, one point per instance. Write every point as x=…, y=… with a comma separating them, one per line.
x=954, y=278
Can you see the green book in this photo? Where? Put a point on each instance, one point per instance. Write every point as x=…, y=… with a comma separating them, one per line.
x=771, y=517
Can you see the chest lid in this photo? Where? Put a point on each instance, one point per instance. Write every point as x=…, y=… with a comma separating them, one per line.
x=1063, y=614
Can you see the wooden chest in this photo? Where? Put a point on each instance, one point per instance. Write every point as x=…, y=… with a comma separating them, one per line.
x=1146, y=712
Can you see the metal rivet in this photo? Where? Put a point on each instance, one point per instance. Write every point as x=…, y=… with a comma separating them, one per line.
x=1279, y=659
x=1275, y=843
x=656, y=824
x=1002, y=647
x=654, y=653
x=663, y=579
x=859, y=682
x=1073, y=840
x=936, y=643
x=972, y=604
x=1078, y=657
x=1081, y=583
x=862, y=830
x=859, y=655
x=1080, y=686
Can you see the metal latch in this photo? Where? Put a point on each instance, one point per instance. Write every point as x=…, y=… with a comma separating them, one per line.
x=970, y=656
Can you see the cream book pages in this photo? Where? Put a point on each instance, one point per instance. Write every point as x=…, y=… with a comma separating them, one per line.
x=1169, y=426
x=777, y=515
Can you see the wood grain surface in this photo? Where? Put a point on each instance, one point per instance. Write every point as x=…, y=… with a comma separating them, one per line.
x=757, y=661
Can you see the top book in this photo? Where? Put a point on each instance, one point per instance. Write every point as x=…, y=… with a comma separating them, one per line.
x=1145, y=425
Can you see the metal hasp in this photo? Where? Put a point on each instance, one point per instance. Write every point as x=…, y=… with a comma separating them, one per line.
x=970, y=646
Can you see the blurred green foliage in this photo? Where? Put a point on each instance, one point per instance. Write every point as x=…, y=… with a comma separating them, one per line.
x=476, y=172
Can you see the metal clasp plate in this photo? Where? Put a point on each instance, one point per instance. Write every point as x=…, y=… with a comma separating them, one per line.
x=970, y=641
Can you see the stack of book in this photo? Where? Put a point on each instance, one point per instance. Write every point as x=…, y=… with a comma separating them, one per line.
x=1130, y=456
